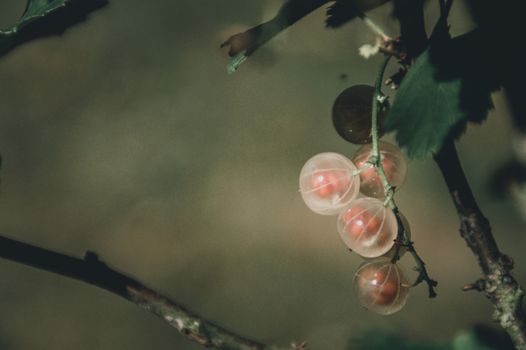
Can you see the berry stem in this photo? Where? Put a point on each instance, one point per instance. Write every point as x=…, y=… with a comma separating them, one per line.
x=374, y=118
x=362, y=169
x=376, y=159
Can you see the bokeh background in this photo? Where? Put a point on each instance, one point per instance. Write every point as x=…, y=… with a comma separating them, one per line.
x=126, y=136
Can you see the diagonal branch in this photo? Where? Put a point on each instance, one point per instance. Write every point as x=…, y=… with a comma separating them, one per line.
x=93, y=271
x=242, y=45
x=498, y=284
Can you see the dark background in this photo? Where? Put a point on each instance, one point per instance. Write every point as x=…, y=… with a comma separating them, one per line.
x=126, y=136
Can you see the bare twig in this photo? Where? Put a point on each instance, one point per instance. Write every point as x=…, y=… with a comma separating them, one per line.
x=479, y=286
x=498, y=284
x=93, y=271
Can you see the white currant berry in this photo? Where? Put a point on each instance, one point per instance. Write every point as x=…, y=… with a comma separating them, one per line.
x=394, y=165
x=381, y=286
x=368, y=227
x=327, y=183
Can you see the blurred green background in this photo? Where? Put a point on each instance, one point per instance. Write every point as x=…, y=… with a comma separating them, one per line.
x=126, y=136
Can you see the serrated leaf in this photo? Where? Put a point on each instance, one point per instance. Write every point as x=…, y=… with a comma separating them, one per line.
x=447, y=86
x=43, y=18
x=342, y=11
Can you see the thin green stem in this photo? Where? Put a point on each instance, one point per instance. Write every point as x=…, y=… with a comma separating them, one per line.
x=374, y=121
x=389, y=191
x=376, y=159
x=358, y=171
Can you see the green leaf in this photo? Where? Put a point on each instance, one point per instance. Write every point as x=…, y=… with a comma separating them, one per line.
x=384, y=340
x=479, y=337
x=448, y=85
x=469, y=341
x=482, y=337
x=43, y=18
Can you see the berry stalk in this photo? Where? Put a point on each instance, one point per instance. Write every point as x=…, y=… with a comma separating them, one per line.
x=402, y=238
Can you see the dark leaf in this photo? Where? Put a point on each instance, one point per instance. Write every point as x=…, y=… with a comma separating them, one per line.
x=288, y=14
x=342, y=11
x=43, y=18
x=483, y=337
x=498, y=20
x=410, y=15
x=448, y=85
x=507, y=177
x=480, y=337
x=383, y=340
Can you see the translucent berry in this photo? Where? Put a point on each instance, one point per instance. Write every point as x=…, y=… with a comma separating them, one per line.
x=351, y=114
x=381, y=286
x=394, y=166
x=327, y=183
x=368, y=227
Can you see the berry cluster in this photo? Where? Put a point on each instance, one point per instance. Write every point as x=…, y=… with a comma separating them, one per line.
x=331, y=184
